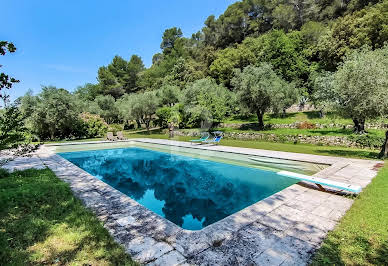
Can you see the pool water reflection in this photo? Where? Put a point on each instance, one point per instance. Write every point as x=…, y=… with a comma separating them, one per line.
x=190, y=192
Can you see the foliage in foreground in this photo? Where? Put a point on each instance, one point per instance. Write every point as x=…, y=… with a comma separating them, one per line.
x=6, y=81
x=361, y=238
x=12, y=130
x=41, y=222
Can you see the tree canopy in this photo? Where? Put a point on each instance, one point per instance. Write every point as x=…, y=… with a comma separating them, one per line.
x=298, y=38
x=361, y=85
x=259, y=55
x=205, y=102
x=260, y=89
x=6, y=81
x=120, y=76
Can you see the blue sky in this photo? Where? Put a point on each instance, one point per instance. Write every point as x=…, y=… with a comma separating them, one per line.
x=62, y=43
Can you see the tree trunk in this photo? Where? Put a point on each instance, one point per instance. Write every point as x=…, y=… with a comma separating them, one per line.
x=384, y=149
x=171, y=130
x=147, y=124
x=284, y=112
x=359, y=125
x=51, y=133
x=321, y=113
x=138, y=123
x=260, y=119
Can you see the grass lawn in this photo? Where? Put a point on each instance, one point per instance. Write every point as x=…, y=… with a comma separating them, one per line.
x=361, y=238
x=42, y=223
x=290, y=118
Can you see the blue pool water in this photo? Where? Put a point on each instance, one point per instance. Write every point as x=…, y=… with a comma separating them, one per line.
x=190, y=192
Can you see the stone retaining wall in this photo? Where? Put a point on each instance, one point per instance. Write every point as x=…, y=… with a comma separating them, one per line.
x=296, y=125
x=316, y=140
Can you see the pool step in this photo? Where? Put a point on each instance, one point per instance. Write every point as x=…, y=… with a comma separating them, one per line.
x=322, y=181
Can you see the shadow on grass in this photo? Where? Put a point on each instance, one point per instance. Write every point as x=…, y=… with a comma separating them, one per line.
x=312, y=114
x=245, y=118
x=250, y=126
x=335, y=252
x=41, y=222
x=286, y=115
x=317, y=115
x=382, y=254
x=336, y=132
x=328, y=254
x=351, y=153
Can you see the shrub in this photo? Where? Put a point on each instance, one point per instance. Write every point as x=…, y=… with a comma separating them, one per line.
x=52, y=114
x=12, y=130
x=94, y=125
x=163, y=114
x=306, y=125
x=367, y=140
x=4, y=173
x=282, y=139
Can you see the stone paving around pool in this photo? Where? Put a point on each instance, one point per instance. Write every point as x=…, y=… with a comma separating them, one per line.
x=283, y=229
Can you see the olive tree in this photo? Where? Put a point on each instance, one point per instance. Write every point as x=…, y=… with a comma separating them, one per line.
x=323, y=95
x=140, y=107
x=52, y=114
x=205, y=101
x=260, y=89
x=104, y=105
x=168, y=94
x=361, y=86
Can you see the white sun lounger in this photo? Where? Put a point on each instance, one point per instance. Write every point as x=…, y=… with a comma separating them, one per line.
x=322, y=181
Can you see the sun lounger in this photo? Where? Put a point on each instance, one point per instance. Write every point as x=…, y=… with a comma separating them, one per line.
x=120, y=135
x=216, y=140
x=109, y=136
x=202, y=139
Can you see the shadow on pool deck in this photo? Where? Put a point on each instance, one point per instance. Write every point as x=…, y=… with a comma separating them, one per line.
x=350, y=153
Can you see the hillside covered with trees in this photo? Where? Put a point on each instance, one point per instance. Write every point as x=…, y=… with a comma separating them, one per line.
x=259, y=56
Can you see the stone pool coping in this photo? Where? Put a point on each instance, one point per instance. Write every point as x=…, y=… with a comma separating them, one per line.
x=284, y=228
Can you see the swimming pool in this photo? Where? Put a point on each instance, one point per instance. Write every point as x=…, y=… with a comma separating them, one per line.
x=190, y=191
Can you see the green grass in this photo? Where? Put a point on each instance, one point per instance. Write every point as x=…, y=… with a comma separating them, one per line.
x=361, y=238
x=289, y=118
x=298, y=148
x=41, y=222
